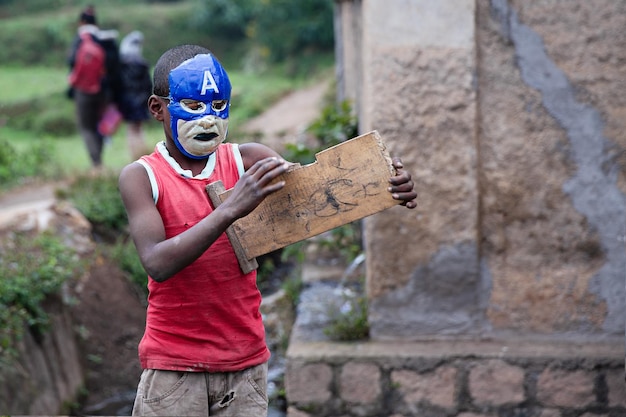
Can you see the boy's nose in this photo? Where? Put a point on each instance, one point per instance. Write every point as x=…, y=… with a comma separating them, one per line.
x=207, y=122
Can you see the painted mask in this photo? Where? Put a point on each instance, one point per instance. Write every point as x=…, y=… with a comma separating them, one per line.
x=199, y=102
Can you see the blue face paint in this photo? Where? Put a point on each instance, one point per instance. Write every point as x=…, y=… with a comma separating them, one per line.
x=199, y=103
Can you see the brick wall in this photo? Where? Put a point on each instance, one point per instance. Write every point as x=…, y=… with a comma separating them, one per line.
x=463, y=378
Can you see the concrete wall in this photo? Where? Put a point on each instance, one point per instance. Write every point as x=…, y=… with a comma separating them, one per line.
x=511, y=116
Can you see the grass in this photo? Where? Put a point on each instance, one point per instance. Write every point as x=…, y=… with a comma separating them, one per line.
x=43, y=88
x=20, y=84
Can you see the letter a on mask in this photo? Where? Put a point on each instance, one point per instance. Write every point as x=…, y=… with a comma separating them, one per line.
x=209, y=83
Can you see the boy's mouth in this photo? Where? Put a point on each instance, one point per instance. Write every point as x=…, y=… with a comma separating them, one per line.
x=206, y=136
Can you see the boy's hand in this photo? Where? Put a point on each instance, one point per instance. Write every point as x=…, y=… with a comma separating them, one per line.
x=256, y=184
x=402, y=186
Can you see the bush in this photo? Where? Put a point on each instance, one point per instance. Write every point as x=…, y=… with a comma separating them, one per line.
x=52, y=116
x=348, y=321
x=308, y=25
x=282, y=29
x=125, y=255
x=98, y=199
x=336, y=124
x=32, y=269
x=234, y=17
x=16, y=166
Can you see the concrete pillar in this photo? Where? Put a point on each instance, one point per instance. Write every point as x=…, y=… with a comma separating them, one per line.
x=418, y=91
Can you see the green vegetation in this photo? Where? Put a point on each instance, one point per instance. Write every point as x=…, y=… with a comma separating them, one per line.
x=276, y=30
x=255, y=32
x=337, y=123
x=32, y=268
x=348, y=321
x=34, y=109
x=16, y=165
x=98, y=199
x=126, y=256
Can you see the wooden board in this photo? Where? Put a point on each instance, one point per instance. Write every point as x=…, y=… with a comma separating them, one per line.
x=347, y=182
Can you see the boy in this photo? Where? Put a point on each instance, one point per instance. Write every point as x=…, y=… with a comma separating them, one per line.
x=203, y=351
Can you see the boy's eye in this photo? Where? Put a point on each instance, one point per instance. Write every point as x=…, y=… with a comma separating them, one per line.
x=193, y=106
x=219, y=105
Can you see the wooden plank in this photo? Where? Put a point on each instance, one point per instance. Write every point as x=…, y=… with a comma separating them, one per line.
x=347, y=182
x=246, y=264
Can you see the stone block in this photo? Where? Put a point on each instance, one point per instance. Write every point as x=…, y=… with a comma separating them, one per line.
x=308, y=383
x=435, y=388
x=360, y=383
x=617, y=388
x=561, y=388
x=495, y=383
x=549, y=412
x=294, y=412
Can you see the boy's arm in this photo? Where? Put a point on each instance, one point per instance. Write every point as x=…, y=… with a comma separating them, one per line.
x=252, y=152
x=163, y=257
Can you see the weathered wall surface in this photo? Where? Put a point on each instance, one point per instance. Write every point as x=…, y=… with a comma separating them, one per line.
x=553, y=212
x=419, y=92
x=510, y=115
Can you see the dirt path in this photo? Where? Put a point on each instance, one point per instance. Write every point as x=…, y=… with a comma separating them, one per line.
x=286, y=121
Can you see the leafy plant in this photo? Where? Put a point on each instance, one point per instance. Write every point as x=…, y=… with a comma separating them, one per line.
x=15, y=166
x=345, y=240
x=348, y=321
x=32, y=269
x=263, y=24
x=293, y=287
x=98, y=199
x=336, y=124
x=126, y=256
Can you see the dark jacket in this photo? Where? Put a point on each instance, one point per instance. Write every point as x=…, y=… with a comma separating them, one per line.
x=136, y=88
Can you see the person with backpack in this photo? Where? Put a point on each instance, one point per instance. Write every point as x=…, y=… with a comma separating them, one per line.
x=136, y=83
x=93, y=79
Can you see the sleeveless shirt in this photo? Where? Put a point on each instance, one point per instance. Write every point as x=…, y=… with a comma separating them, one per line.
x=205, y=318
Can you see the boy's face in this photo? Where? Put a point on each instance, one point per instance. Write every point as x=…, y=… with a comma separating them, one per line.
x=198, y=107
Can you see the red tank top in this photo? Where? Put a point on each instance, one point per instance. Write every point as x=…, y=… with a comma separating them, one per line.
x=205, y=318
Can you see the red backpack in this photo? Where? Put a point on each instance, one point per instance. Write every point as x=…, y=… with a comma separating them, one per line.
x=89, y=66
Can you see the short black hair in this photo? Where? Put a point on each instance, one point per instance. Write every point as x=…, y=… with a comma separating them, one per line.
x=168, y=61
x=88, y=15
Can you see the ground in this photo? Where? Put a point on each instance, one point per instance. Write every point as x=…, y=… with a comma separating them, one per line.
x=110, y=313
x=113, y=314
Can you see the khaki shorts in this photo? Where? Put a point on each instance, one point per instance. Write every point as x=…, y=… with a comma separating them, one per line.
x=226, y=394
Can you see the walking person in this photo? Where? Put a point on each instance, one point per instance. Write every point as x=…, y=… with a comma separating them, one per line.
x=203, y=351
x=92, y=79
x=136, y=88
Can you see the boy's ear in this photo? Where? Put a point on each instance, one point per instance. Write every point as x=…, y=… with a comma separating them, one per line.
x=156, y=106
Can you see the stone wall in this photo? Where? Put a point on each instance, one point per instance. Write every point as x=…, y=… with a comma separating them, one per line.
x=511, y=115
x=464, y=378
